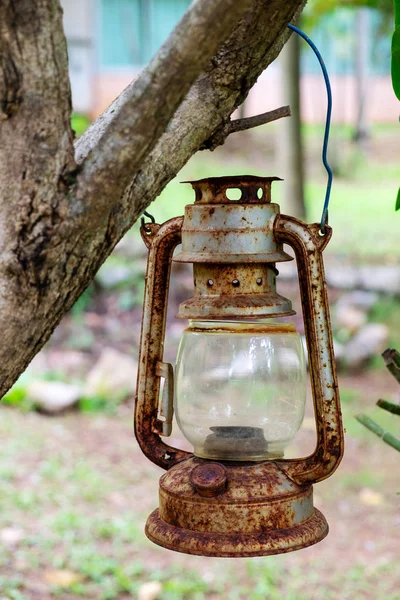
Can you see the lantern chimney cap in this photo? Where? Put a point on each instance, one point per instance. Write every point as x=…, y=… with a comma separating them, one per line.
x=212, y=190
x=234, y=179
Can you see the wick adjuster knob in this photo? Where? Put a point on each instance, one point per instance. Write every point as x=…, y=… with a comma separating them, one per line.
x=209, y=479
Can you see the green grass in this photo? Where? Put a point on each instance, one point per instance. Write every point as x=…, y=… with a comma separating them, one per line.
x=357, y=405
x=60, y=493
x=80, y=490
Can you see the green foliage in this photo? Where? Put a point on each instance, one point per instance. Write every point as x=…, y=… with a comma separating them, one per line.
x=83, y=302
x=315, y=9
x=395, y=67
x=79, y=123
x=387, y=310
x=192, y=585
x=398, y=200
x=364, y=478
x=348, y=395
x=18, y=398
x=82, y=339
x=10, y=587
x=396, y=13
x=128, y=299
x=98, y=403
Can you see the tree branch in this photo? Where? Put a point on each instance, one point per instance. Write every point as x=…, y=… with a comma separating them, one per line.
x=219, y=137
x=150, y=103
x=214, y=96
x=59, y=223
x=267, y=117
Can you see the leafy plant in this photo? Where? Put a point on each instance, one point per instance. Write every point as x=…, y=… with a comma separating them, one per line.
x=396, y=50
x=396, y=64
x=392, y=361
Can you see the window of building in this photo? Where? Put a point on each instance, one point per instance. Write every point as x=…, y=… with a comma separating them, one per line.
x=131, y=31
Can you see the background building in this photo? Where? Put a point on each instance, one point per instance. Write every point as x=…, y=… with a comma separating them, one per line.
x=110, y=41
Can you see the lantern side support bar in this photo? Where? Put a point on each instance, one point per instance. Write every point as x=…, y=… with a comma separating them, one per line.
x=161, y=242
x=308, y=245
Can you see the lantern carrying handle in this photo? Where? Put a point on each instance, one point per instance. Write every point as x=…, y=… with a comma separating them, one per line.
x=152, y=417
x=308, y=244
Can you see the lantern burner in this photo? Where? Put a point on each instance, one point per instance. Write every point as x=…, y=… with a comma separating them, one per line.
x=240, y=441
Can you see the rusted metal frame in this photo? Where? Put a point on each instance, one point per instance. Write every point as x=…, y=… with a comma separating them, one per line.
x=308, y=245
x=148, y=426
x=234, y=510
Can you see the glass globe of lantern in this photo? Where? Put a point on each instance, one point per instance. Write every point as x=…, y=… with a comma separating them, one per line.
x=240, y=388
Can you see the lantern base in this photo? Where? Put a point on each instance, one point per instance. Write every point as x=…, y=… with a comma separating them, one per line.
x=236, y=545
x=231, y=510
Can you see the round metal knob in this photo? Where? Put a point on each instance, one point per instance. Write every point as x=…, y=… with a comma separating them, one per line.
x=209, y=479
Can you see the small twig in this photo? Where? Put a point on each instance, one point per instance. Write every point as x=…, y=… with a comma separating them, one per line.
x=387, y=437
x=219, y=137
x=392, y=362
x=389, y=406
x=250, y=122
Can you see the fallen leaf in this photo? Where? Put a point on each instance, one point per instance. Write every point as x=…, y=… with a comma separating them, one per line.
x=370, y=497
x=149, y=590
x=62, y=578
x=11, y=535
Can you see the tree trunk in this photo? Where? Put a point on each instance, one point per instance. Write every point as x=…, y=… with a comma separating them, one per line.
x=63, y=209
x=361, y=133
x=290, y=149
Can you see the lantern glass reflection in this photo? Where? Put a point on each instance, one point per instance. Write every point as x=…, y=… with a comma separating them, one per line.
x=240, y=388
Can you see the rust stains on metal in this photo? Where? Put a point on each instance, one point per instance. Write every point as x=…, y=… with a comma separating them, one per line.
x=260, y=512
x=233, y=251
x=148, y=425
x=209, y=479
x=237, y=544
x=213, y=190
x=236, y=509
x=231, y=327
x=308, y=245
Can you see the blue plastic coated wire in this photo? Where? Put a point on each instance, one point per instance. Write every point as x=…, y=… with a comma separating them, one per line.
x=324, y=217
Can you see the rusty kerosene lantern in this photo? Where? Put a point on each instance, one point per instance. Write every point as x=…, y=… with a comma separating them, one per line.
x=240, y=380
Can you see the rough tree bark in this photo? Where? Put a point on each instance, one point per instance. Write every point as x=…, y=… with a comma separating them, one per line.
x=291, y=152
x=63, y=209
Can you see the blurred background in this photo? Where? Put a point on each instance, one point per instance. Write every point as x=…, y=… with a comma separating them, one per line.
x=75, y=489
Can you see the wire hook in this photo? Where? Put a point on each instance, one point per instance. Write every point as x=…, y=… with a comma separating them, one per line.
x=324, y=216
x=143, y=222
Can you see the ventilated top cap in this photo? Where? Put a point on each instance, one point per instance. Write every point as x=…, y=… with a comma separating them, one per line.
x=254, y=189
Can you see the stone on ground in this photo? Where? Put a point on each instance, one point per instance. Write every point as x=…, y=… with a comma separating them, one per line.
x=53, y=397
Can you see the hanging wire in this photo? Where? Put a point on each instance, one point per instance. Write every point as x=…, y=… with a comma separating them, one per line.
x=324, y=217
x=149, y=216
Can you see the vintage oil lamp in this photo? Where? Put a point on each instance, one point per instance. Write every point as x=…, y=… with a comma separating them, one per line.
x=240, y=377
